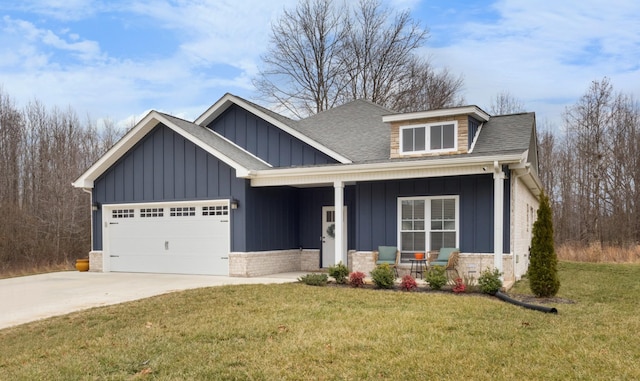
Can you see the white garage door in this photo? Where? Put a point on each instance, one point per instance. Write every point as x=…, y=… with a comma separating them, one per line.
x=183, y=238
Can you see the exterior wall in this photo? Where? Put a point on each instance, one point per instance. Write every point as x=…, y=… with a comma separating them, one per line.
x=271, y=219
x=377, y=214
x=311, y=201
x=463, y=135
x=164, y=166
x=253, y=264
x=474, y=125
x=524, y=210
x=265, y=140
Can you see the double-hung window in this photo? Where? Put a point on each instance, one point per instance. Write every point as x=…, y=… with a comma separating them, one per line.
x=429, y=138
x=427, y=223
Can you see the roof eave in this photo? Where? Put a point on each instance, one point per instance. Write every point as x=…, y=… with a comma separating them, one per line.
x=381, y=171
x=474, y=111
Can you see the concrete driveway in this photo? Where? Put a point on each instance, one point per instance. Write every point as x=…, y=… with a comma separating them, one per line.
x=30, y=298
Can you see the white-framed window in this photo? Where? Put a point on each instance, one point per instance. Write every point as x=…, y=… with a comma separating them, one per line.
x=433, y=137
x=427, y=223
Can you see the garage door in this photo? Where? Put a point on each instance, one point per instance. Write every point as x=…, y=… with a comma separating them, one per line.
x=184, y=238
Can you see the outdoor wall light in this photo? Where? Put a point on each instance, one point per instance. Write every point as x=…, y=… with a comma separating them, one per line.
x=234, y=204
x=95, y=206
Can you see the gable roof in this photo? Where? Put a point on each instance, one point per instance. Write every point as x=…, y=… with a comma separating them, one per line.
x=280, y=121
x=242, y=161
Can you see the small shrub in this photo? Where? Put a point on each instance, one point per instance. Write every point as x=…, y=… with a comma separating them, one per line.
x=383, y=276
x=339, y=272
x=314, y=279
x=489, y=281
x=408, y=283
x=459, y=286
x=356, y=279
x=436, y=277
x=470, y=284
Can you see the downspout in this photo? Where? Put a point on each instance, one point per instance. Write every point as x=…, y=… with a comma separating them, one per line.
x=528, y=167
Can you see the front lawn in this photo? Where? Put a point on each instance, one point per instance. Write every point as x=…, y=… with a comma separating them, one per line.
x=299, y=332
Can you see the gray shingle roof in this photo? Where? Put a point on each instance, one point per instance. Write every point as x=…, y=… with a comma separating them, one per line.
x=506, y=133
x=219, y=143
x=354, y=130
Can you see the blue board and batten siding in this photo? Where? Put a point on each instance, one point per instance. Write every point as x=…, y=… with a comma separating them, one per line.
x=265, y=140
x=377, y=210
x=474, y=125
x=166, y=167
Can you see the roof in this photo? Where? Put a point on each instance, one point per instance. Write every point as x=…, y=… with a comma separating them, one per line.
x=356, y=134
x=506, y=133
x=355, y=130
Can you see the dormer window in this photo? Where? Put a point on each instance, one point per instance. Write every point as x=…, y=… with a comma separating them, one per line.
x=432, y=137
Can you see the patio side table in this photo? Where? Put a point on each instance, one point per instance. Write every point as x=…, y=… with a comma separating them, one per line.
x=418, y=266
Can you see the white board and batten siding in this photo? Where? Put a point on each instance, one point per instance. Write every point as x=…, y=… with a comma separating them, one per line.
x=175, y=238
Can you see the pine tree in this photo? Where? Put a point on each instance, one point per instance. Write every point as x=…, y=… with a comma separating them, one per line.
x=543, y=271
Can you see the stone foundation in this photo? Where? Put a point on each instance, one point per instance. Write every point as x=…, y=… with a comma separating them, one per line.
x=470, y=265
x=95, y=261
x=261, y=263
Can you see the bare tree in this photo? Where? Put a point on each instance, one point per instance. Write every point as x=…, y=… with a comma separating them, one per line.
x=322, y=55
x=425, y=88
x=505, y=103
x=303, y=69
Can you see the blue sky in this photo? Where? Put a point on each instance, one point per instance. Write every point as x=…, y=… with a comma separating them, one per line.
x=119, y=59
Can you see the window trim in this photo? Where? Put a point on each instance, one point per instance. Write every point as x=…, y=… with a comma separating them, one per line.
x=427, y=143
x=427, y=219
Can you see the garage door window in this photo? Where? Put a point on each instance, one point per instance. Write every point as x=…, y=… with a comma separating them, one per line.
x=152, y=212
x=220, y=210
x=122, y=213
x=185, y=211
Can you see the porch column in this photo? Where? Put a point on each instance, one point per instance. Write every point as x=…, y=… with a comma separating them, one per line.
x=498, y=215
x=338, y=187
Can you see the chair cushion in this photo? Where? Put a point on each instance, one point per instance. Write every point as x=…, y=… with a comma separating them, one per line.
x=387, y=254
x=439, y=263
x=445, y=253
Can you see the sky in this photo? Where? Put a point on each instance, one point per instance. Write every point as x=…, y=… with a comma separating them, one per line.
x=118, y=59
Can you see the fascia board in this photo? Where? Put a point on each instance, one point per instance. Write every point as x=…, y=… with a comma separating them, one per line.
x=476, y=111
x=379, y=171
x=86, y=180
x=221, y=105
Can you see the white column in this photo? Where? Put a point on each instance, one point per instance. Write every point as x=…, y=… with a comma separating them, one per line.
x=498, y=215
x=340, y=239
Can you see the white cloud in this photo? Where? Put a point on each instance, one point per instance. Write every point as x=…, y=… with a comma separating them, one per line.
x=546, y=55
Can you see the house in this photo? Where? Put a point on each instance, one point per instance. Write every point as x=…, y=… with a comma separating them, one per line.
x=244, y=191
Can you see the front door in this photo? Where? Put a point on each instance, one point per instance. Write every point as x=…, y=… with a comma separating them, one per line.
x=329, y=234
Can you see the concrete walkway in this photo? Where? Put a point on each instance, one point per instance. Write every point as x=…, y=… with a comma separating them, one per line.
x=31, y=298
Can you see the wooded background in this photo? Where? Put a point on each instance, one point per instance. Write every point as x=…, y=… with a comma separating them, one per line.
x=44, y=221
x=590, y=168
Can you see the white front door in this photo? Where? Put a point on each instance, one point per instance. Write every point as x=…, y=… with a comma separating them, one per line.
x=329, y=233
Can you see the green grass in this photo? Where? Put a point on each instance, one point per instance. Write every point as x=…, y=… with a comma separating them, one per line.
x=299, y=332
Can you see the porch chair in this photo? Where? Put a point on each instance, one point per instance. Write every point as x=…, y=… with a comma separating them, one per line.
x=389, y=255
x=448, y=258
